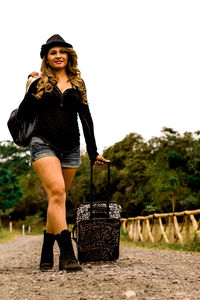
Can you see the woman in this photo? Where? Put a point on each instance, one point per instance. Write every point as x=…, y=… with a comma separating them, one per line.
x=56, y=98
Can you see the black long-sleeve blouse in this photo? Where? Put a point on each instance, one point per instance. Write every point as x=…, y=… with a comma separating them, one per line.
x=57, y=114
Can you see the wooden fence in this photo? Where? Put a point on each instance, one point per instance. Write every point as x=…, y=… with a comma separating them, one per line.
x=170, y=227
x=23, y=228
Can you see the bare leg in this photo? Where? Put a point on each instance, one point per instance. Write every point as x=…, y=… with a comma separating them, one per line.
x=56, y=182
x=68, y=175
x=51, y=175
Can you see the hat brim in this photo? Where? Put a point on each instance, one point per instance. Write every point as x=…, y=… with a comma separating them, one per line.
x=46, y=47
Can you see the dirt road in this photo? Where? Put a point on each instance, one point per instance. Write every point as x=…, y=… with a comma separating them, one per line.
x=138, y=274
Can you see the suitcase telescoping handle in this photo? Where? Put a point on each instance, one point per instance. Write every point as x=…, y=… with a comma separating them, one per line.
x=100, y=212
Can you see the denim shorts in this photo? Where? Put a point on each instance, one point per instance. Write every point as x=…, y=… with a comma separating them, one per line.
x=40, y=149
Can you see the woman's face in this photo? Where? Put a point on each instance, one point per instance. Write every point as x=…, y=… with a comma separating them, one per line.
x=57, y=58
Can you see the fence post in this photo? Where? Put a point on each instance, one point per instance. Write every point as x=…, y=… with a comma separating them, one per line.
x=187, y=228
x=163, y=231
x=130, y=231
x=23, y=229
x=10, y=225
x=144, y=230
x=140, y=231
x=135, y=231
x=194, y=222
x=178, y=230
x=171, y=230
x=156, y=230
x=149, y=230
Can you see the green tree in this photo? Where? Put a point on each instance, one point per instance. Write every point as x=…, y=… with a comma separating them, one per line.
x=166, y=189
x=14, y=158
x=168, y=171
x=34, y=198
x=129, y=159
x=10, y=191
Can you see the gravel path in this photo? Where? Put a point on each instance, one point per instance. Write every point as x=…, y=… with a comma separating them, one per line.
x=138, y=274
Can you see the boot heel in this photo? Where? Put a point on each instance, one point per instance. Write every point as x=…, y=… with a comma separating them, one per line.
x=67, y=259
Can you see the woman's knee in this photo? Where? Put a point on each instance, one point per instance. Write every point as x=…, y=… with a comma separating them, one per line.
x=57, y=195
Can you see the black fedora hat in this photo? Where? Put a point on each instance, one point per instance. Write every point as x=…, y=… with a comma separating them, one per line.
x=54, y=40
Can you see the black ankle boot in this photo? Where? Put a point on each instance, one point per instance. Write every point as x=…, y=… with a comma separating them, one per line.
x=67, y=260
x=46, y=262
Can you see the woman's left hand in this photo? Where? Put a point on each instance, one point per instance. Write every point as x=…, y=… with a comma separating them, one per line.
x=34, y=74
x=100, y=160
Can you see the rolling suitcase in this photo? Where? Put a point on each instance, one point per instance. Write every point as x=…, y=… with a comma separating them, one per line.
x=97, y=228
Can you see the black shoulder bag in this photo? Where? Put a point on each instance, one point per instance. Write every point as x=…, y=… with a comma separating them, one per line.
x=21, y=131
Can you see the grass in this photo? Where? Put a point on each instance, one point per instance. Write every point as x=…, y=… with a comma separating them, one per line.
x=193, y=246
x=6, y=235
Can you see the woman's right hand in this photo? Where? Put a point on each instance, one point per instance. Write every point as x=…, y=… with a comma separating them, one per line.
x=100, y=160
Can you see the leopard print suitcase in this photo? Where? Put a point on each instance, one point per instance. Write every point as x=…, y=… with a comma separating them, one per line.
x=97, y=229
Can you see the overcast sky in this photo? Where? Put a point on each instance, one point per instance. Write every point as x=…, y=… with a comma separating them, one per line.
x=140, y=60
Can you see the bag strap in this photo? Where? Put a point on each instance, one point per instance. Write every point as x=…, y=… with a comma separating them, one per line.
x=91, y=189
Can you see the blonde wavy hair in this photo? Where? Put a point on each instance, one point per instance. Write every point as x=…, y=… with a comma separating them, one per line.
x=48, y=79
